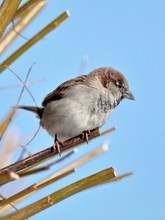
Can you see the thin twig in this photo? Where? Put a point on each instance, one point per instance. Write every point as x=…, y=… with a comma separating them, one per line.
x=13, y=112
x=79, y=162
x=25, y=147
x=24, y=84
x=108, y=131
x=47, y=166
x=10, y=203
x=13, y=31
x=115, y=179
x=13, y=86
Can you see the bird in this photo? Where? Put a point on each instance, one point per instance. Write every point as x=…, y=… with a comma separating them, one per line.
x=82, y=104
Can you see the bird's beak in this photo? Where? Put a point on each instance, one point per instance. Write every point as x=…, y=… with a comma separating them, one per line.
x=128, y=95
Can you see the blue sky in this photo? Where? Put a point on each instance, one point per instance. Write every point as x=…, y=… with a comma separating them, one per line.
x=126, y=35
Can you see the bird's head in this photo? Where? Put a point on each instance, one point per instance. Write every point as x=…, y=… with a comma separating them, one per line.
x=115, y=81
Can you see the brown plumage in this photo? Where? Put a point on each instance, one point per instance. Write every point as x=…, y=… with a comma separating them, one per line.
x=38, y=111
x=83, y=103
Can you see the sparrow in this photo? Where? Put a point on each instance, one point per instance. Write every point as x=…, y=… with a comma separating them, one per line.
x=81, y=104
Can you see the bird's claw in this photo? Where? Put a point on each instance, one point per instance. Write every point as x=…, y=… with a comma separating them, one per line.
x=85, y=136
x=56, y=145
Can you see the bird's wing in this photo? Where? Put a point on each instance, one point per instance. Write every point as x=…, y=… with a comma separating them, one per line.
x=59, y=92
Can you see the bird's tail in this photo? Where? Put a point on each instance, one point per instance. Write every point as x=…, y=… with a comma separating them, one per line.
x=37, y=110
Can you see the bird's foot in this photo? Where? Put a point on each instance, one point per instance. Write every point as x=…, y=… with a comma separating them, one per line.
x=57, y=145
x=85, y=135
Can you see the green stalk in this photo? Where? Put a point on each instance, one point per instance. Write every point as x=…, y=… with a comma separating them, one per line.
x=54, y=24
x=62, y=194
x=31, y=189
x=7, y=11
x=21, y=24
x=24, y=8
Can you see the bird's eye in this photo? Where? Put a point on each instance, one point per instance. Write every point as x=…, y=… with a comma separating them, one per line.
x=119, y=84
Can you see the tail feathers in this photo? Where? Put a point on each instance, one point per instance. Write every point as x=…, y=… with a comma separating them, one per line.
x=37, y=110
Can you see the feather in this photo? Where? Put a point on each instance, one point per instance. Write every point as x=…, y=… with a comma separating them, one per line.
x=37, y=110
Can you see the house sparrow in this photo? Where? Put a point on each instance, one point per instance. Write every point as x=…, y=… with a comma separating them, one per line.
x=82, y=104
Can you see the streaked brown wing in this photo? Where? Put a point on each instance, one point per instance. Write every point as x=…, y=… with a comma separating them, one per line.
x=58, y=93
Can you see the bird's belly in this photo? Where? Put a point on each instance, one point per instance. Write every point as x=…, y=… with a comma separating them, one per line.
x=68, y=118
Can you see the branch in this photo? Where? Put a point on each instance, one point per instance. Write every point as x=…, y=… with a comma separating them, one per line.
x=47, y=153
x=21, y=24
x=33, y=188
x=7, y=11
x=54, y=24
x=68, y=169
x=62, y=194
x=21, y=10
